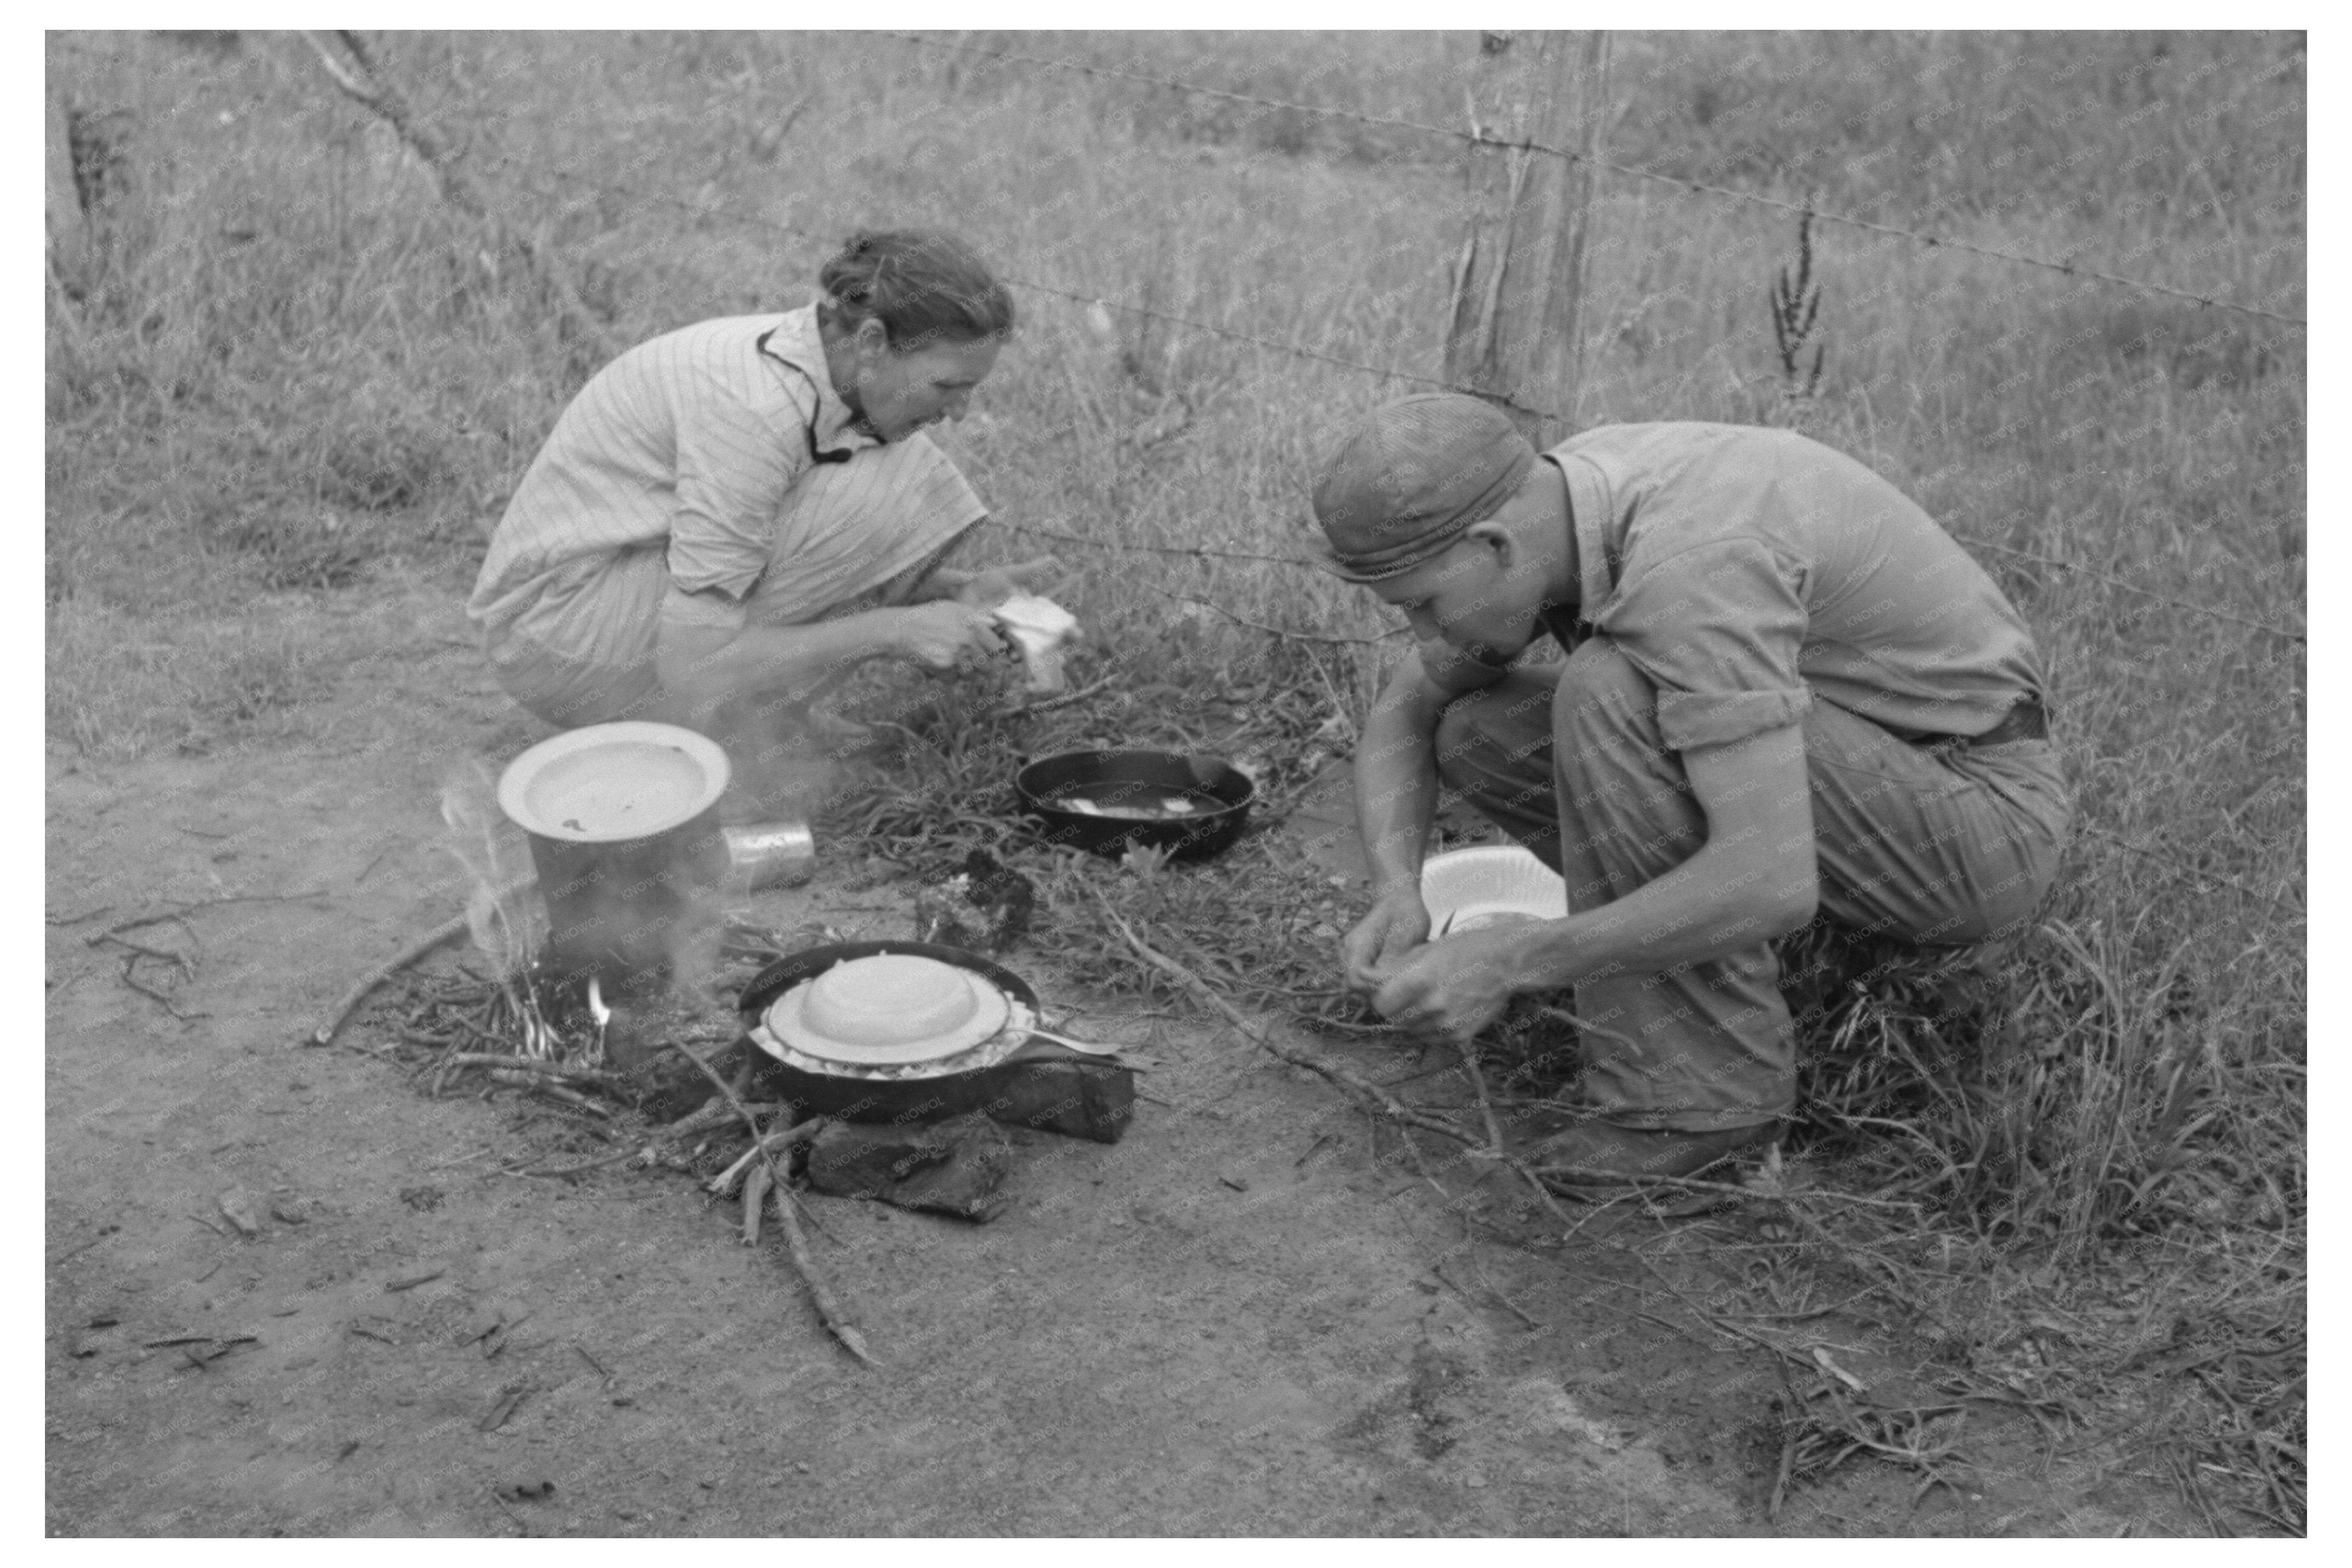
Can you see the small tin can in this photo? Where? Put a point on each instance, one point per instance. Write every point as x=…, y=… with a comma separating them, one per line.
x=773, y=854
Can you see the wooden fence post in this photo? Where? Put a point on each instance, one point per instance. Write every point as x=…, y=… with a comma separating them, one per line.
x=1514, y=326
x=68, y=226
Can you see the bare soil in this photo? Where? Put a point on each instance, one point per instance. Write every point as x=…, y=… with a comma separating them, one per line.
x=1249, y=1317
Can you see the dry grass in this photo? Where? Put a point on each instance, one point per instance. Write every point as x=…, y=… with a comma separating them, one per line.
x=289, y=369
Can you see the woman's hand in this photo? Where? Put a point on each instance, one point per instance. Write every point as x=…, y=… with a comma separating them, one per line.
x=986, y=590
x=1398, y=923
x=945, y=633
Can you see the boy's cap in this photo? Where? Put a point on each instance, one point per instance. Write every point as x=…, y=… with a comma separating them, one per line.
x=1408, y=482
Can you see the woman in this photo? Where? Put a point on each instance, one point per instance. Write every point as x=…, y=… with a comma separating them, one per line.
x=730, y=517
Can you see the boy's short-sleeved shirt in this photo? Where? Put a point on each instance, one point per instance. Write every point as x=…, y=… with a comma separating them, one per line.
x=1746, y=570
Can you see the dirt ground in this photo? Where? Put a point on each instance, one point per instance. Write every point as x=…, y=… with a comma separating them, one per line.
x=1246, y=1318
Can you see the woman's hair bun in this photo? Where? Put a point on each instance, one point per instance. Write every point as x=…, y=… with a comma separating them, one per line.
x=923, y=285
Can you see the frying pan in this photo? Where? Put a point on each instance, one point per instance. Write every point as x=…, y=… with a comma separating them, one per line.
x=1041, y=1084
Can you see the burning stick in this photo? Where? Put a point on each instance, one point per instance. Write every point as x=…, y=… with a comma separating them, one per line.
x=324, y=1035
x=540, y=1040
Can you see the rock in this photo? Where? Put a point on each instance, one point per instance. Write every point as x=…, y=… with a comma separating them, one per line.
x=1079, y=1098
x=952, y=1167
x=236, y=1208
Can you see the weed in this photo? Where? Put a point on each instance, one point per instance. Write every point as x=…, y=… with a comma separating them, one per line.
x=1796, y=302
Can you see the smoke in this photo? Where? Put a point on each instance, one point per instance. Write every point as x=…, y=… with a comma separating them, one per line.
x=787, y=756
x=500, y=911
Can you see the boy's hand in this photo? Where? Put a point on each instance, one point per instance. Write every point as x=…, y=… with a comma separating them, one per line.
x=1396, y=925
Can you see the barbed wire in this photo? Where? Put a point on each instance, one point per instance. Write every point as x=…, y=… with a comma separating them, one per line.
x=752, y=220
x=1210, y=551
x=2178, y=864
x=1478, y=138
x=2080, y=570
x=1077, y=296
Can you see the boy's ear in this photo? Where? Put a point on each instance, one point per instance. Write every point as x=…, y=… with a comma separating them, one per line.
x=1494, y=537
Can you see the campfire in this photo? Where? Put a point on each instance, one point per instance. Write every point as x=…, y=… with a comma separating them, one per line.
x=583, y=992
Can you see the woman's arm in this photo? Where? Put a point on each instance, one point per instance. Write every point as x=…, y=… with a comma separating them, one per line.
x=702, y=664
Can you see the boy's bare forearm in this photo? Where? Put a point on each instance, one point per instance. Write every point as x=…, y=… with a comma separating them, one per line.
x=1396, y=779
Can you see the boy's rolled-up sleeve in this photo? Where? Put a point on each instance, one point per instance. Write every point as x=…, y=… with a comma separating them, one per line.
x=1716, y=630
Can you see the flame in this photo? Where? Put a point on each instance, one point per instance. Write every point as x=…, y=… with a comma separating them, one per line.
x=600, y=1013
x=499, y=912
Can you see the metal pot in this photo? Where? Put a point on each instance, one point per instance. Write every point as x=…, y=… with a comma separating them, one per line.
x=625, y=836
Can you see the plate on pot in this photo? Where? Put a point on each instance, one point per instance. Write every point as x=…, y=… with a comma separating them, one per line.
x=607, y=783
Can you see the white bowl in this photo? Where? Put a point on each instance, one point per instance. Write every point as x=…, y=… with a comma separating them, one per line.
x=611, y=782
x=889, y=1010
x=890, y=999
x=1492, y=884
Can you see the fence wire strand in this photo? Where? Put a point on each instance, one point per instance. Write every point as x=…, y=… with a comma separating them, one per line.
x=1478, y=138
x=1077, y=296
x=755, y=221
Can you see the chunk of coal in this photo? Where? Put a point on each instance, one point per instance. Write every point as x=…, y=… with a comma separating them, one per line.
x=952, y=1167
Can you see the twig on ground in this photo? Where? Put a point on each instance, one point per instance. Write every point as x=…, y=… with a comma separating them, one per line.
x=765, y=1149
x=1047, y=704
x=1585, y=1025
x=618, y=1157
x=1496, y=1290
x=185, y=905
x=755, y=1199
x=555, y=1091
x=535, y=1065
x=828, y=1311
x=131, y=978
x=1372, y=1093
x=79, y=1247
x=734, y=1102
x=324, y=1035
x=704, y=1118
x=1485, y=1106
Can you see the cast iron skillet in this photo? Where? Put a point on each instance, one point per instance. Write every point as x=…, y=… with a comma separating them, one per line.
x=1105, y=774
x=860, y=1099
